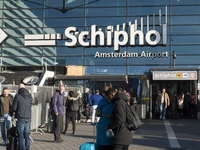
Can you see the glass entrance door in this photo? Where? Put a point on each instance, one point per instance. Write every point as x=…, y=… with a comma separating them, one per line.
x=174, y=89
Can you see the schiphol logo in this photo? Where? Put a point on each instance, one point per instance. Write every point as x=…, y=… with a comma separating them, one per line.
x=124, y=35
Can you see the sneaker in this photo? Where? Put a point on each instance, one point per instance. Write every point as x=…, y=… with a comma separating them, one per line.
x=3, y=143
x=58, y=141
x=89, y=120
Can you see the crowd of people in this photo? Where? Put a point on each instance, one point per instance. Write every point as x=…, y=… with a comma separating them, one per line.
x=185, y=104
x=106, y=110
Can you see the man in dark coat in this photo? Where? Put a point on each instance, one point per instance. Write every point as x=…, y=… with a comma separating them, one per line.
x=59, y=110
x=22, y=107
x=122, y=135
x=86, y=99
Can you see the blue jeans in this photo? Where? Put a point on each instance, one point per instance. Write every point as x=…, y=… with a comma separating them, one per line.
x=162, y=111
x=5, y=121
x=23, y=130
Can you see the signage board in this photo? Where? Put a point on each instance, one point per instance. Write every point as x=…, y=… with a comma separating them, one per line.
x=75, y=70
x=174, y=75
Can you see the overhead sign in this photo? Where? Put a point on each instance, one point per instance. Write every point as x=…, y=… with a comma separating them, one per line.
x=3, y=35
x=131, y=34
x=174, y=75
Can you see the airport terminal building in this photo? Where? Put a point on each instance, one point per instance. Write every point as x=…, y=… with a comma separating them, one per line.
x=144, y=45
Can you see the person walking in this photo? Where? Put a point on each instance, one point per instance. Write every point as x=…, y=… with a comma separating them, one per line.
x=22, y=108
x=163, y=102
x=193, y=105
x=80, y=108
x=180, y=104
x=72, y=106
x=86, y=106
x=6, y=101
x=122, y=135
x=104, y=111
x=59, y=109
x=94, y=101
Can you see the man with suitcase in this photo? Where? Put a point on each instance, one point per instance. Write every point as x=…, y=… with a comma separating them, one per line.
x=22, y=107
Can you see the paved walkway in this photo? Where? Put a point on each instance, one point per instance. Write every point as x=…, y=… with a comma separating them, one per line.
x=153, y=135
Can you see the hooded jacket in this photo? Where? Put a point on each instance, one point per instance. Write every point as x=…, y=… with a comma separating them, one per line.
x=123, y=136
x=1, y=104
x=22, y=104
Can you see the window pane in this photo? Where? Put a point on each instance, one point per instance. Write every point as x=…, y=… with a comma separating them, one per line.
x=185, y=20
x=20, y=51
x=180, y=10
x=106, y=3
x=184, y=2
x=147, y=2
x=49, y=51
x=64, y=22
x=117, y=11
x=110, y=70
x=22, y=23
x=105, y=21
x=104, y=61
x=23, y=4
x=63, y=51
x=23, y=13
x=187, y=60
x=65, y=61
x=20, y=32
x=51, y=61
x=14, y=42
x=186, y=49
x=140, y=70
x=144, y=11
x=186, y=29
x=78, y=12
x=22, y=61
x=186, y=39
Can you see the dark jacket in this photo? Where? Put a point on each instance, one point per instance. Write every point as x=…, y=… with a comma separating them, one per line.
x=86, y=98
x=58, y=103
x=71, y=106
x=22, y=104
x=123, y=136
x=10, y=105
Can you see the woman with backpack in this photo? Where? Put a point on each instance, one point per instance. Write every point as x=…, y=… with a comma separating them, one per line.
x=72, y=107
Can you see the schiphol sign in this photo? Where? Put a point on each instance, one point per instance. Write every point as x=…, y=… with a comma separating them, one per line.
x=131, y=37
x=125, y=35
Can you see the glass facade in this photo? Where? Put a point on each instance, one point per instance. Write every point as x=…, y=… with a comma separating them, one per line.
x=36, y=17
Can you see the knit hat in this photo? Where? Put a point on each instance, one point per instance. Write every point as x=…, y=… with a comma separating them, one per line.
x=87, y=90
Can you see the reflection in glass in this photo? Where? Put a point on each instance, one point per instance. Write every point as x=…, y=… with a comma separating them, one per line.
x=110, y=70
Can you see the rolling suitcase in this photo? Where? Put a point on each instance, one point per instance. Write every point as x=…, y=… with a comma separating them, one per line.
x=13, y=143
x=89, y=145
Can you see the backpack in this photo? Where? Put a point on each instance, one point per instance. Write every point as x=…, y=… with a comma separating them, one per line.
x=132, y=119
x=51, y=108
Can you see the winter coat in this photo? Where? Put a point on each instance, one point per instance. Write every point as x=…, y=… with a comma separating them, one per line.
x=58, y=103
x=106, y=109
x=72, y=106
x=22, y=104
x=167, y=100
x=123, y=136
x=11, y=98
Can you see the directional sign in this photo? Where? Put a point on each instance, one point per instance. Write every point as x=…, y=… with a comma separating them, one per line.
x=3, y=35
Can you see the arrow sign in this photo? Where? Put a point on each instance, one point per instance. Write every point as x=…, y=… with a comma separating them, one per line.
x=3, y=35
